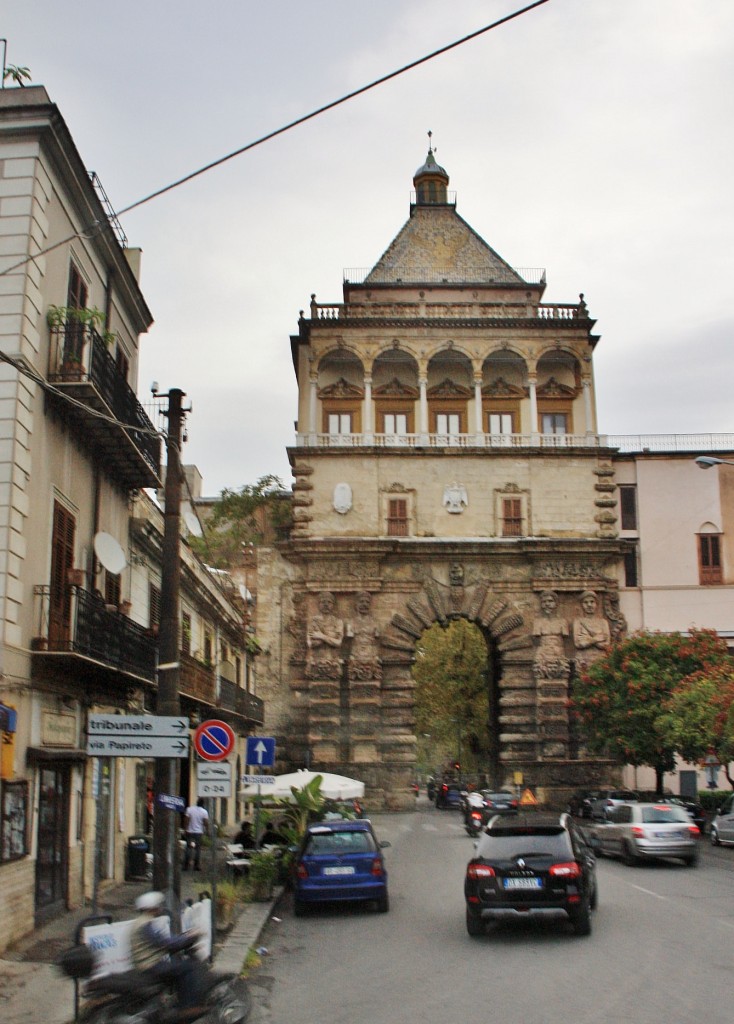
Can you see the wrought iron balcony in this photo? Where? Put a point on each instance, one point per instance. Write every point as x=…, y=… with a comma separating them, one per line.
x=234, y=699
x=197, y=680
x=125, y=439
x=92, y=639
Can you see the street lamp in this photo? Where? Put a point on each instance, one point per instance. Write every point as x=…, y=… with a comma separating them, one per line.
x=707, y=461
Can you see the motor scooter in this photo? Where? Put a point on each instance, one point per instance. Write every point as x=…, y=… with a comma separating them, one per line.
x=474, y=821
x=135, y=997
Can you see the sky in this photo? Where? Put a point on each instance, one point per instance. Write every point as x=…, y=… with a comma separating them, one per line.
x=594, y=138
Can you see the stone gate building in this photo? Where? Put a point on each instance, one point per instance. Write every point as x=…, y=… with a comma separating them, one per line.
x=447, y=464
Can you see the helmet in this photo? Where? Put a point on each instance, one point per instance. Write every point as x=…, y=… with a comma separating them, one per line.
x=150, y=901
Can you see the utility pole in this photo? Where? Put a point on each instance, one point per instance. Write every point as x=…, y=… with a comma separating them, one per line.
x=166, y=856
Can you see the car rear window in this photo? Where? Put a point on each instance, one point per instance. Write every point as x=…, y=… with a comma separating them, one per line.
x=663, y=813
x=340, y=843
x=504, y=844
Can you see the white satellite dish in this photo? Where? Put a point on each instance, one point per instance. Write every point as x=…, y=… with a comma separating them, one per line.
x=190, y=518
x=109, y=552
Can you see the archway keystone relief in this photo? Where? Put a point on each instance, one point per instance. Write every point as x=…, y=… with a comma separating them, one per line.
x=352, y=644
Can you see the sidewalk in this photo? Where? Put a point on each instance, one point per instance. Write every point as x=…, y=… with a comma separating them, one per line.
x=32, y=989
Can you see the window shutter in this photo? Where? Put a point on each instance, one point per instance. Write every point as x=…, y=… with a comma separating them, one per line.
x=397, y=517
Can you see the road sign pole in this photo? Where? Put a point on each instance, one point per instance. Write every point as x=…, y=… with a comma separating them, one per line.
x=166, y=865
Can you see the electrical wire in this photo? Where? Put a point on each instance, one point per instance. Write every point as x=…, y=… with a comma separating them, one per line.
x=98, y=226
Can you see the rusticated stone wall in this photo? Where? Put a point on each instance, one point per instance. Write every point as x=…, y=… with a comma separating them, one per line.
x=341, y=634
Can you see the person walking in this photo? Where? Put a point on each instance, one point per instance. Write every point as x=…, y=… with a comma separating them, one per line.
x=196, y=821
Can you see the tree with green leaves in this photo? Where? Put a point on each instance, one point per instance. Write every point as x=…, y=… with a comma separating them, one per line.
x=240, y=517
x=699, y=716
x=620, y=700
x=18, y=75
x=452, y=701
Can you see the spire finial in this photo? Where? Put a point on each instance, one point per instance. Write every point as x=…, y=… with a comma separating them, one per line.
x=430, y=137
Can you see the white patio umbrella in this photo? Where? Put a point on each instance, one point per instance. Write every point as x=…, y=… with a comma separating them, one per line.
x=333, y=787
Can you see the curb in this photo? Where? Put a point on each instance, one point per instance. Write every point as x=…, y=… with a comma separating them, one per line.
x=245, y=933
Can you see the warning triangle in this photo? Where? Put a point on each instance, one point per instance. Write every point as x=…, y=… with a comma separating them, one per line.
x=528, y=799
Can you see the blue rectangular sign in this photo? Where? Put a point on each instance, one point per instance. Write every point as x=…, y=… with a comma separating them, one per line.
x=260, y=750
x=173, y=803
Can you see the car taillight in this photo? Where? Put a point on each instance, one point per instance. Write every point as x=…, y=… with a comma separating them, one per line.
x=513, y=804
x=477, y=871
x=301, y=870
x=694, y=830
x=568, y=870
x=444, y=788
x=637, y=832
x=377, y=867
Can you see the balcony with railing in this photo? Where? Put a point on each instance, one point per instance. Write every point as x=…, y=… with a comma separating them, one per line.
x=626, y=443
x=85, y=638
x=123, y=437
x=556, y=312
x=235, y=700
x=197, y=680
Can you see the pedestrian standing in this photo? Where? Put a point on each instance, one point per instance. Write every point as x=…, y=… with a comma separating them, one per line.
x=195, y=827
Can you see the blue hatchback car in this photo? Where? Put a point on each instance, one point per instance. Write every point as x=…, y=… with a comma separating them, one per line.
x=340, y=861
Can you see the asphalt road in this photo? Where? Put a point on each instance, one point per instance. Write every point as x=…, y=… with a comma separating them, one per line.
x=659, y=952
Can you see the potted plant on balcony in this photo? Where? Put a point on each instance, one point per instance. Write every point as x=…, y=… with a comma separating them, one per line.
x=75, y=577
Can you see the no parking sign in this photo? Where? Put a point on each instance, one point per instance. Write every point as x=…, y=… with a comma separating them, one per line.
x=214, y=740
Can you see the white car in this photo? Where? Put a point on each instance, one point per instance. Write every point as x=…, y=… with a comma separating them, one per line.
x=637, y=832
x=722, y=827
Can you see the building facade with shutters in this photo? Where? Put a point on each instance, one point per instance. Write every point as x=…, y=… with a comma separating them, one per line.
x=80, y=540
x=448, y=463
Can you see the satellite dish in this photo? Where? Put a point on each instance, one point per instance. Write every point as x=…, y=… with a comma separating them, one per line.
x=189, y=517
x=109, y=552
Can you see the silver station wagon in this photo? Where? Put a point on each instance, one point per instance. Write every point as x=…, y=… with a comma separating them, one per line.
x=637, y=832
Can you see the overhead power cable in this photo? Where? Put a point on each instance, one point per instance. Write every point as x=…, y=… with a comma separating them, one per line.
x=96, y=226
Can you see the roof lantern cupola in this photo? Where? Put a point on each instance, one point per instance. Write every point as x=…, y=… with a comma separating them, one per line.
x=430, y=181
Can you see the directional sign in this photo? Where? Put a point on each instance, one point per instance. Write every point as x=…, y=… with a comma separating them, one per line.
x=137, y=725
x=260, y=750
x=214, y=740
x=137, y=746
x=206, y=771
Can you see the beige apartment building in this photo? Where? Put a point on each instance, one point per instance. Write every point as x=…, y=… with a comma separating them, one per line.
x=448, y=463
x=80, y=535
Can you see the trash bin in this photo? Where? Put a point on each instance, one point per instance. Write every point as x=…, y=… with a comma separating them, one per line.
x=138, y=848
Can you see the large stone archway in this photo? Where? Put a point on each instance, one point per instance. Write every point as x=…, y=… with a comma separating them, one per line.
x=350, y=617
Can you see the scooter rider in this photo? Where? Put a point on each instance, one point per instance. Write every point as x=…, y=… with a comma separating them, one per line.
x=156, y=954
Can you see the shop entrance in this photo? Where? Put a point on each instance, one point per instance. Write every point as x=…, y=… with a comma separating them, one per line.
x=53, y=839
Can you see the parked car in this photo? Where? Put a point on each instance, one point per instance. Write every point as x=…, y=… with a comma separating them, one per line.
x=695, y=810
x=609, y=798
x=531, y=865
x=722, y=827
x=448, y=794
x=648, y=831
x=340, y=861
x=580, y=803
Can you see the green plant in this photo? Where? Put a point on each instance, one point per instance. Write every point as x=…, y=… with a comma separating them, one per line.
x=58, y=316
x=231, y=891
x=263, y=869
x=252, y=962
x=253, y=646
x=16, y=74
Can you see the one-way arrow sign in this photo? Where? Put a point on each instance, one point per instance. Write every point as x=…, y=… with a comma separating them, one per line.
x=260, y=750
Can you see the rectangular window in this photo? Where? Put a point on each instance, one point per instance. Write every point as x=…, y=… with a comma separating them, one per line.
x=62, y=560
x=395, y=423
x=112, y=589
x=630, y=569
x=628, y=506
x=76, y=297
x=500, y=423
x=554, y=423
x=340, y=423
x=512, y=517
x=122, y=363
x=397, y=517
x=208, y=648
x=154, y=606
x=709, y=558
x=448, y=423
x=186, y=633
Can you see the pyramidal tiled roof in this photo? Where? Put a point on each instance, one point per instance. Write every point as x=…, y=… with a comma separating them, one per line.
x=437, y=246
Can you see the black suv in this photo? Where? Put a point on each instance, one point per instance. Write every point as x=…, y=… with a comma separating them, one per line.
x=531, y=865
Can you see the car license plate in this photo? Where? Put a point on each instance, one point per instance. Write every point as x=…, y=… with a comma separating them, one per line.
x=523, y=883
x=671, y=835
x=339, y=871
